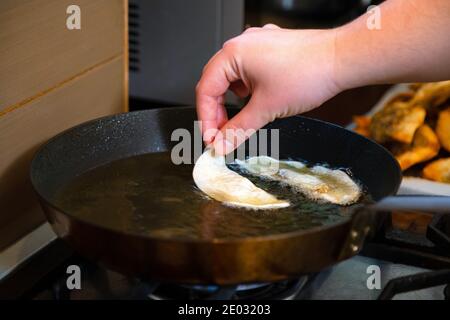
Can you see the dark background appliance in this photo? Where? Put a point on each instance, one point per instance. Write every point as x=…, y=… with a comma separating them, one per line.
x=171, y=40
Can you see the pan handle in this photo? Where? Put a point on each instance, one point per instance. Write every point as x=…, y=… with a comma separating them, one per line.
x=364, y=218
x=438, y=204
x=362, y=222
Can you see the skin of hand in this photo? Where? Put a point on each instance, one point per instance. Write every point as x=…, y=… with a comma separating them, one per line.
x=287, y=72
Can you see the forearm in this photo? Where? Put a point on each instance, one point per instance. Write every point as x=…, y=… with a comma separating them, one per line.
x=412, y=45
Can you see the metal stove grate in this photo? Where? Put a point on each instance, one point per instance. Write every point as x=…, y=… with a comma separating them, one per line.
x=284, y=290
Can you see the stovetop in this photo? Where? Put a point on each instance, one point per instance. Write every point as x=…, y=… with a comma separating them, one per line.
x=347, y=280
x=404, y=260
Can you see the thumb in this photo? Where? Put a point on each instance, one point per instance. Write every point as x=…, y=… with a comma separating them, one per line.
x=240, y=127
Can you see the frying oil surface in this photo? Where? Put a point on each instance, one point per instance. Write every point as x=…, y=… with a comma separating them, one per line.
x=149, y=195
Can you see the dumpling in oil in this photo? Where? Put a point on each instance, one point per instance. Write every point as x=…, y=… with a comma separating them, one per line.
x=317, y=182
x=212, y=176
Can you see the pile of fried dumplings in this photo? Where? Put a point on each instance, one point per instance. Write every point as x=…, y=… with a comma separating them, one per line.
x=415, y=126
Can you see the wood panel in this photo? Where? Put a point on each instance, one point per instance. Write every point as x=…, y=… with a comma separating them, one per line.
x=38, y=52
x=100, y=91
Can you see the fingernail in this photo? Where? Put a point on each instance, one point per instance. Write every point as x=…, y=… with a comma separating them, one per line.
x=223, y=147
x=209, y=135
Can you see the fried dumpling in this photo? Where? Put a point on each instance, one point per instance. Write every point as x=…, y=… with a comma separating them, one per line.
x=443, y=128
x=362, y=124
x=430, y=95
x=214, y=178
x=438, y=170
x=318, y=182
x=424, y=147
x=397, y=121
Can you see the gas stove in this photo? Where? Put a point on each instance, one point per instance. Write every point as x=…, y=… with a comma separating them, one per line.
x=407, y=258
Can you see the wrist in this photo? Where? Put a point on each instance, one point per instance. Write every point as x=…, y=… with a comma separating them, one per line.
x=322, y=58
x=332, y=61
x=344, y=71
x=359, y=55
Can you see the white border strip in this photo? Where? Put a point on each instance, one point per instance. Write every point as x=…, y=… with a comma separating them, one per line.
x=13, y=256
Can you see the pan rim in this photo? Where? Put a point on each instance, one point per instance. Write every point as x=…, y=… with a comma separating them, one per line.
x=266, y=238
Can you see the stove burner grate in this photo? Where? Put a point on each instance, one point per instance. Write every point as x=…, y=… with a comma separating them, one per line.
x=417, y=282
x=286, y=290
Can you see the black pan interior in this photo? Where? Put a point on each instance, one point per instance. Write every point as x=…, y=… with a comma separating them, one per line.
x=101, y=141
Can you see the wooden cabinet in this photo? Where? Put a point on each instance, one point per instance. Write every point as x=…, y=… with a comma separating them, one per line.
x=52, y=78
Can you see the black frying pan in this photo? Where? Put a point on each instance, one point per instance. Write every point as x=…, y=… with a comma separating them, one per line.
x=219, y=261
